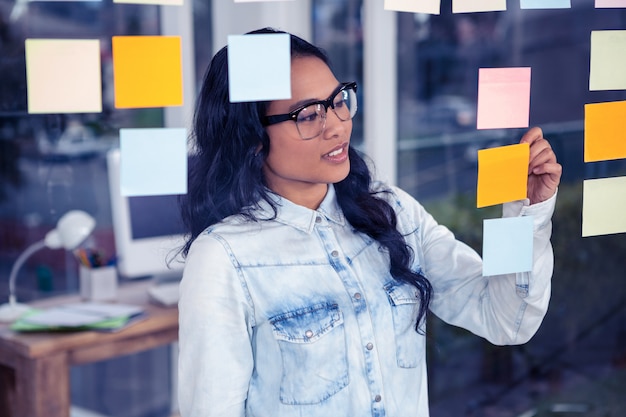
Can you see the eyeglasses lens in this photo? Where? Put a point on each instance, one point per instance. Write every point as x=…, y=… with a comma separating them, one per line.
x=311, y=120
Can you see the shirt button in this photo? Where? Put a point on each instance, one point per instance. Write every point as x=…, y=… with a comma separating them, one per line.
x=357, y=295
x=378, y=398
x=318, y=219
x=369, y=346
x=334, y=254
x=309, y=334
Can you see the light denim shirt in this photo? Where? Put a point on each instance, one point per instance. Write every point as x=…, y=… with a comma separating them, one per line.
x=299, y=315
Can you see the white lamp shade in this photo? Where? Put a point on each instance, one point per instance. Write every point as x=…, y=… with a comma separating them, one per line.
x=72, y=229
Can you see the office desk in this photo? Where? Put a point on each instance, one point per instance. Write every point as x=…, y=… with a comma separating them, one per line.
x=35, y=367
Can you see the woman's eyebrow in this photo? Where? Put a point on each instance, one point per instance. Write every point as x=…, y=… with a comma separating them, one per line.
x=307, y=101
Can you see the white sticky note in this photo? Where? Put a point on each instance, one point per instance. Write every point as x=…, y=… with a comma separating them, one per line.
x=604, y=206
x=507, y=245
x=153, y=161
x=63, y=75
x=470, y=6
x=545, y=4
x=259, y=67
x=607, y=70
x=414, y=6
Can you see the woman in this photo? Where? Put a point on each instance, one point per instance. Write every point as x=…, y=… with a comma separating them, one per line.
x=306, y=285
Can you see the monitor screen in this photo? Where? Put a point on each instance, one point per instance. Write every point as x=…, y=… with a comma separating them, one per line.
x=154, y=216
x=148, y=230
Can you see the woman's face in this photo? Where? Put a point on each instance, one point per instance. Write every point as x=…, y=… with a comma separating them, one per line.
x=300, y=170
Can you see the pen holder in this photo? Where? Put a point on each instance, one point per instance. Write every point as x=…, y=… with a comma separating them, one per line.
x=98, y=284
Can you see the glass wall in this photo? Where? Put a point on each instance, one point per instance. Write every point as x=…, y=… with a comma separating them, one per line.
x=337, y=28
x=575, y=365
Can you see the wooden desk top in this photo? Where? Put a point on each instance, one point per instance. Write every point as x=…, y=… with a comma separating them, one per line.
x=159, y=327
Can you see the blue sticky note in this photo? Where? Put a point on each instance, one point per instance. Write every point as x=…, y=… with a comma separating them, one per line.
x=259, y=67
x=153, y=161
x=507, y=245
x=545, y=4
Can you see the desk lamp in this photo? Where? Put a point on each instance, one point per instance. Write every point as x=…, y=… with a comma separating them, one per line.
x=72, y=229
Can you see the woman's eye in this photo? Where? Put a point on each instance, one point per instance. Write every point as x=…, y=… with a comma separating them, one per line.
x=307, y=116
x=339, y=104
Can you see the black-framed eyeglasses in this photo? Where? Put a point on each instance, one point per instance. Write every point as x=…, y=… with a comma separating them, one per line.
x=310, y=118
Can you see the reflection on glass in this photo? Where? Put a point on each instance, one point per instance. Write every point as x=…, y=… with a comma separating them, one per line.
x=575, y=365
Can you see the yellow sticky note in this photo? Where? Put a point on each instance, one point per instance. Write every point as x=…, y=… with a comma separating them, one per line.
x=607, y=68
x=502, y=174
x=63, y=75
x=147, y=71
x=605, y=131
x=604, y=205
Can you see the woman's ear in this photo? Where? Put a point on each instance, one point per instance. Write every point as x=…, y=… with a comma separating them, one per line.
x=258, y=149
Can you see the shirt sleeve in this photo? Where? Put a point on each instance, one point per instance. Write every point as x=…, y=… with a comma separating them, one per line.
x=215, y=327
x=504, y=309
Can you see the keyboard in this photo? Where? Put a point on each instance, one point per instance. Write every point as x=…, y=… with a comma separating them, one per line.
x=165, y=294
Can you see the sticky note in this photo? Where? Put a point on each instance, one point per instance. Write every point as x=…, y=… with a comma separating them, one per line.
x=158, y=2
x=414, y=6
x=545, y=4
x=605, y=131
x=63, y=75
x=507, y=245
x=153, y=161
x=502, y=174
x=469, y=6
x=608, y=4
x=604, y=205
x=607, y=70
x=147, y=71
x=259, y=67
x=503, y=98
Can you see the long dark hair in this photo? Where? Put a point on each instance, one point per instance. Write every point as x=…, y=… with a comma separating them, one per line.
x=226, y=172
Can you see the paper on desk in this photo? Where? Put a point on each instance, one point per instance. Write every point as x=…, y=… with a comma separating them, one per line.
x=81, y=314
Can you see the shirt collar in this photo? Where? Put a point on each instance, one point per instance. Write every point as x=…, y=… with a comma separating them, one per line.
x=301, y=217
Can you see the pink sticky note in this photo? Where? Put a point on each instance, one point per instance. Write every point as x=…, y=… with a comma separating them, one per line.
x=503, y=98
x=607, y=4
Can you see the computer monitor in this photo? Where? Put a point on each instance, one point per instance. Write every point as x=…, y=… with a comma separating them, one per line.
x=148, y=230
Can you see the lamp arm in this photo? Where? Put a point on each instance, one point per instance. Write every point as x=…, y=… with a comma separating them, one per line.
x=18, y=264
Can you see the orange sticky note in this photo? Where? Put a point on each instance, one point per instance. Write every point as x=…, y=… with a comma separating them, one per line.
x=502, y=174
x=503, y=98
x=147, y=71
x=605, y=131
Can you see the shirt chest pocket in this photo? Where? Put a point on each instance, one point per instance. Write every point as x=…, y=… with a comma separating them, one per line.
x=404, y=301
x=313, y=349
